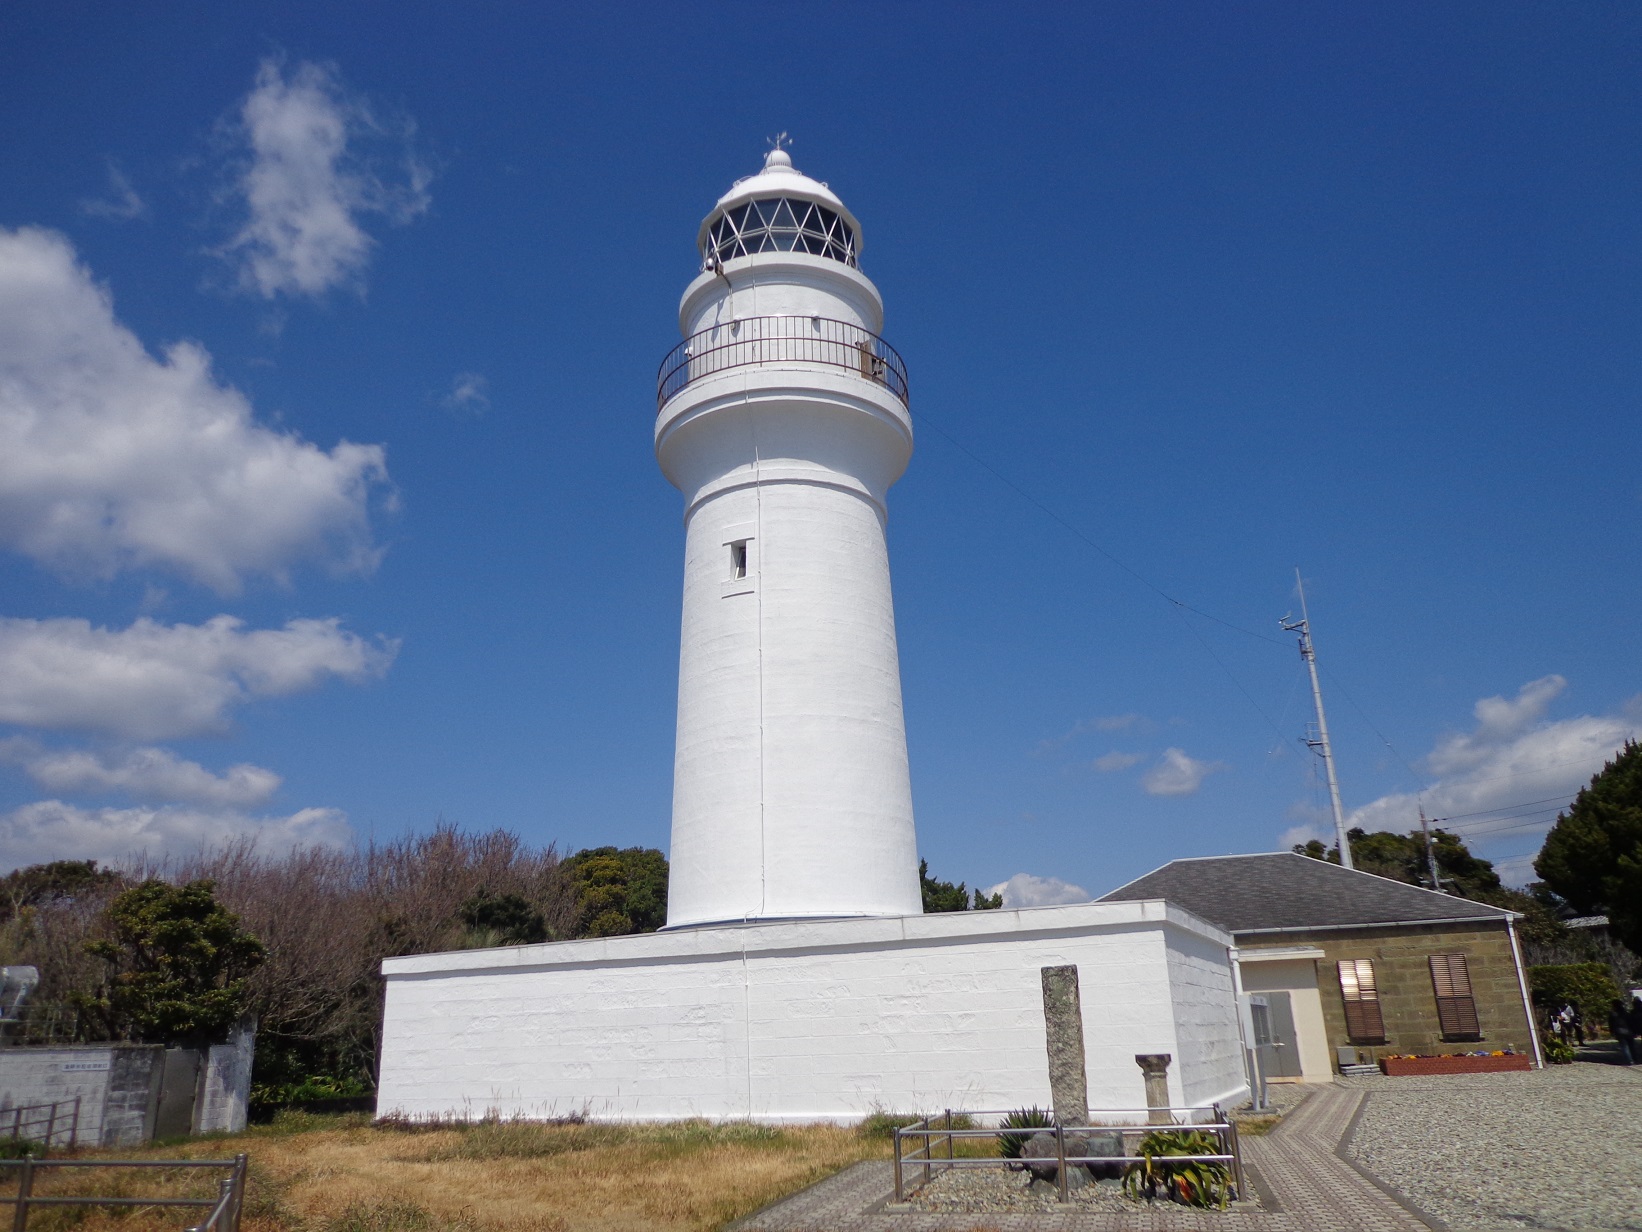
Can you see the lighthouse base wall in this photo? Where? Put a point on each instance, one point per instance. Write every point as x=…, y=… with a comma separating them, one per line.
x=811, y=1020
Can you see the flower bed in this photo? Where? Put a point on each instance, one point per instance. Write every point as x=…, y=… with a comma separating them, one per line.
x=1460, y=1063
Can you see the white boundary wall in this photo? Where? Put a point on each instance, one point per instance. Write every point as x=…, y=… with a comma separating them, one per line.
x=811, y=1020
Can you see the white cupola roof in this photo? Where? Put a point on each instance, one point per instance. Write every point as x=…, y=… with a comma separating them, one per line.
x=830, y=231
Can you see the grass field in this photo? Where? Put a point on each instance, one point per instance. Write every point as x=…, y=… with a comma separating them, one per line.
x=343, y=1174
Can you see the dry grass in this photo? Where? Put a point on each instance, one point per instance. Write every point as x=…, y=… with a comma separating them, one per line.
x=341, y=1174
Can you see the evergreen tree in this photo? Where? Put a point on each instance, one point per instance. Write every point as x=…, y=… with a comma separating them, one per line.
x=944, y=896
x=1592, y=857
x=178, y=965
x=619, y=890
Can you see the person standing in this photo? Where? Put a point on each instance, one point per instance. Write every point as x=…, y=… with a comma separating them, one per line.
x=1619, y=1026
x=1635, y=1020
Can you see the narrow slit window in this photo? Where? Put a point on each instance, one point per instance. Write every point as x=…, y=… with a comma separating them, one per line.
x=1456, y=1007
x=738, y=559
x=1361, y=994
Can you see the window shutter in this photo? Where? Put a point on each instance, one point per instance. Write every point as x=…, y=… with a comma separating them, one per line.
x=1456, y=1008
x=1364, y=1025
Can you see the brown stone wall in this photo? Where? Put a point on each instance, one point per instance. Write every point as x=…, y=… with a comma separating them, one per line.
x=1407, y=1002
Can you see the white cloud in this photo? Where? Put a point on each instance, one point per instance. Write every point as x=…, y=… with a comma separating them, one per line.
x=1305, y=833
x=1108, y=762
x=1492, y=779
x=122, y=202
x=1177, y=774
x=308, y=179
x=52, y=830
x=144, y=773
x=111, y=459
x=152, y=681
x=468, y=394
x=1025, y=890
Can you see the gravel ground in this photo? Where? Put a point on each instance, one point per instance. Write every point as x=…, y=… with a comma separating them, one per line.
x=997, y=1191
x=1558, y=1149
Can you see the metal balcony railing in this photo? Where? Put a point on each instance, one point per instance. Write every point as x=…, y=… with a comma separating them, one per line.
x=773, y=340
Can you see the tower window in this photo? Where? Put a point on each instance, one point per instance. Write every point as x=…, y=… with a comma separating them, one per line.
x=738, y=559
x=779, y=224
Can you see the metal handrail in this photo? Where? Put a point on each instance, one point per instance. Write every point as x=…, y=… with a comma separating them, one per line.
x=1222, y=1126
x=225, y=1207
x=781, y=339
x=23, y=1126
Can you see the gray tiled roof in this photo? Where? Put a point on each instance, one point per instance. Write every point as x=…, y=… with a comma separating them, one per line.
x=1281, y=890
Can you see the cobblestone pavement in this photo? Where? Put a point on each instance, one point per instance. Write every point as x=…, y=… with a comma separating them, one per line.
x=1304, y=1184
x=1559, y=1149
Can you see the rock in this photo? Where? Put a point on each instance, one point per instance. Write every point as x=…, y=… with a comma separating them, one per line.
x=1105, y=1144
x=1042, y=1146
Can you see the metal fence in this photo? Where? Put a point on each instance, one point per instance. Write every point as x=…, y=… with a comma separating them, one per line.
x=786, y=339
x=936, y=1137
x=42, y=1123
x=225, y=1208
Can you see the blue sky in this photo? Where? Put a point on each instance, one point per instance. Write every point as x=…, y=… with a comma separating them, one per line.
x=328, y=336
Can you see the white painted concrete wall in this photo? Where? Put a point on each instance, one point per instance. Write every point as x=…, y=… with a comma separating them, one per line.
x=808, y=1020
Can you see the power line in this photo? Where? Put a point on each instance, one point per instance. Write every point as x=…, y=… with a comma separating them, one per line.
x=924, y=418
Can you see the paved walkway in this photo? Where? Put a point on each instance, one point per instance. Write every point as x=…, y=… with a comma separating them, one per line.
x=1303, y=1180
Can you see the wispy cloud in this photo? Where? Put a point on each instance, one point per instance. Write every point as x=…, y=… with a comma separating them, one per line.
x=142, y=773
x=316, y=161
x=53, y=830
x=1026, y=890
x=1106, y=763
x=1100, y=723
x=1176, y=774
x=112, y=459
x=120, y=202
x=469, y=394
x=152, y=681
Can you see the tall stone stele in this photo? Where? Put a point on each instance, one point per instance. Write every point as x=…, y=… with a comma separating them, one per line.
x=782, y=418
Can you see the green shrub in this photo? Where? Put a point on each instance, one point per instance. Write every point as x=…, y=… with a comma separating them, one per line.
x=1558, y=1053
x=1203, y=1183
x=1030, y=1121
x=1587, y=986
x=21, y=1148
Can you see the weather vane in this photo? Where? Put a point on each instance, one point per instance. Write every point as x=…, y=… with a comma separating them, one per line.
x=779, y=141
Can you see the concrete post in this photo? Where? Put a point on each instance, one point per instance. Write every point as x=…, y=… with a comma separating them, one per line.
x=1155, y=1067
x=1063, y=1029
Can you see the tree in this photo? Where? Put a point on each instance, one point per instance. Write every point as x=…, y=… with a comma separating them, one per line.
x=178, y=965
x=502, y=919
x=44, y=884
x=619, y=890
x=944, y=896
x=1593, y=855
x=1402, y=857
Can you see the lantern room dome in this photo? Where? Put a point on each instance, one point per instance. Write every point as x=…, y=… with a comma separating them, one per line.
x=779, y=210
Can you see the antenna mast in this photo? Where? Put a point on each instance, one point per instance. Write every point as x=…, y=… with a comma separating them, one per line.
x=1320, y=745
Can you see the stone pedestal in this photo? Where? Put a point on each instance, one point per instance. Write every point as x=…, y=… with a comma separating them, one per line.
x=1154, y=1066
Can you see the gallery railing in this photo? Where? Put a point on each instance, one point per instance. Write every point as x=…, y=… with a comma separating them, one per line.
x=785, y=339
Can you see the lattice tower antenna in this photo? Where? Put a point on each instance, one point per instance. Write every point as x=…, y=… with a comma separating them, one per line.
x=1320, y=745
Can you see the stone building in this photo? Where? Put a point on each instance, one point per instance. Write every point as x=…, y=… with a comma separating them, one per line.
x=1346, y=963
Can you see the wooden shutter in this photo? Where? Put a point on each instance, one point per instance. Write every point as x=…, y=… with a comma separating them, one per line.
x=1364, y=1025
x=1456, y=1009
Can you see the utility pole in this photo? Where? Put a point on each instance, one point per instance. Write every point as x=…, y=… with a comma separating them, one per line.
x=1320, y=745
x=1430, y=854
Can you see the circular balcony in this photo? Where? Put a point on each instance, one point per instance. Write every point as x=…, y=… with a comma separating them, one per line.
x=781, y=340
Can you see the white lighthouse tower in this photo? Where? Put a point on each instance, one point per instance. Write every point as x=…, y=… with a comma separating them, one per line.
x=783, y=420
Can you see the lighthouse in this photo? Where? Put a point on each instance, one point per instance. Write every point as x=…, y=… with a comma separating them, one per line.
x=797, y=979
x=783, y=420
